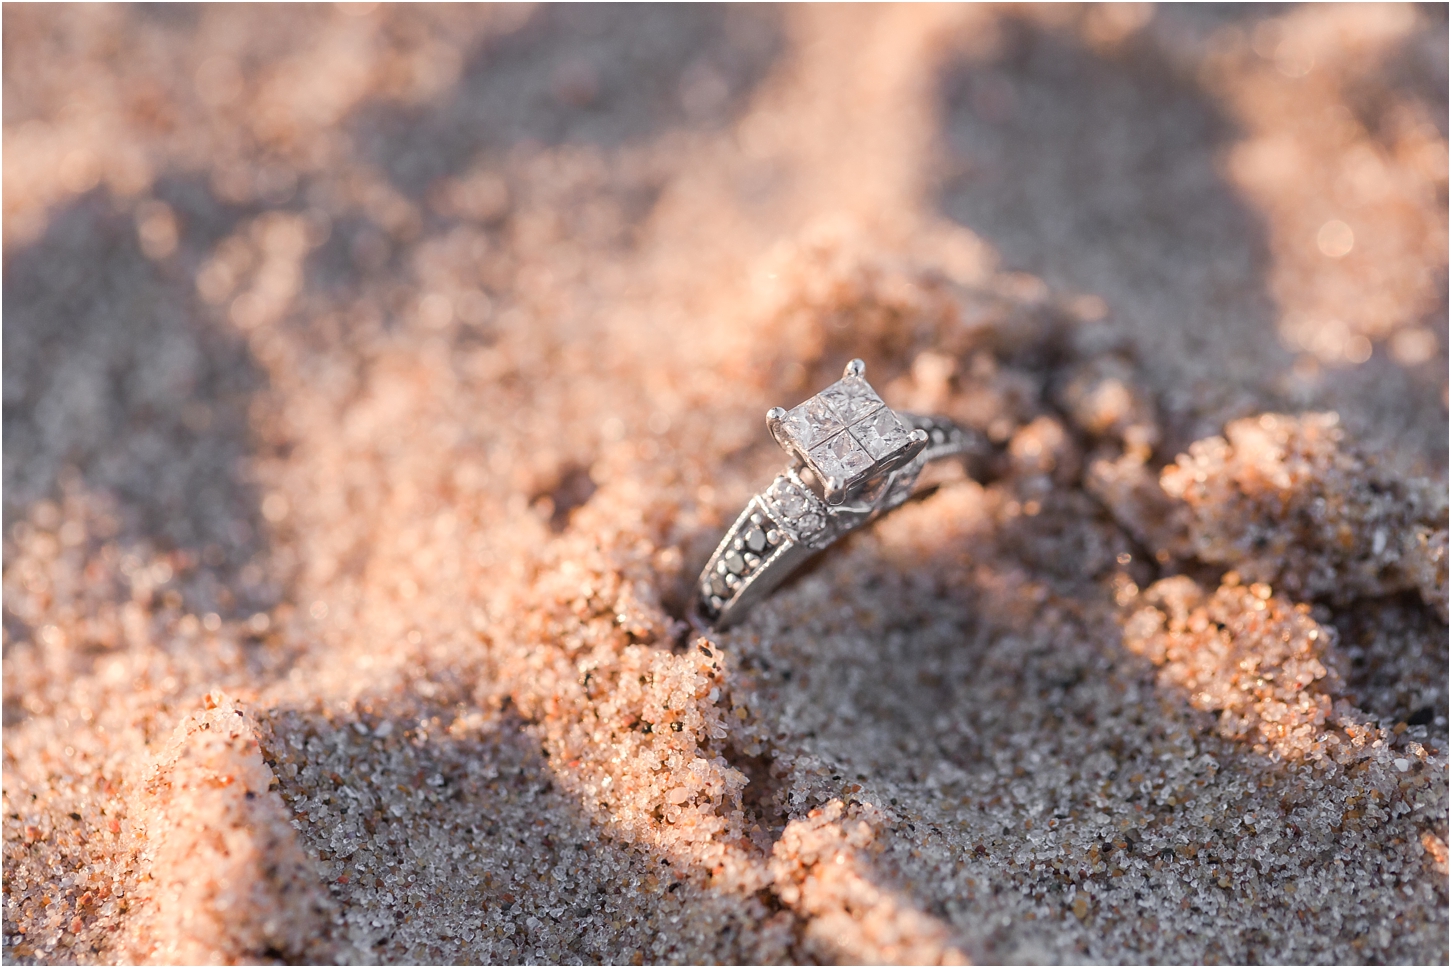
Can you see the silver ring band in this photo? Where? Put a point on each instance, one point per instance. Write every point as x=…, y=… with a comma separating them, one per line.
x=853, y=460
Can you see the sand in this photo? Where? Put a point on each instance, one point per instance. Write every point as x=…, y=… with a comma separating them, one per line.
x=377, y=380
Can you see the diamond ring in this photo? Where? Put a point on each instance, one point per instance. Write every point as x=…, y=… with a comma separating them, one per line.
x=853, y=459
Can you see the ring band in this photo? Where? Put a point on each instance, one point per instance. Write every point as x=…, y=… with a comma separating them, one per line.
x=853, y=459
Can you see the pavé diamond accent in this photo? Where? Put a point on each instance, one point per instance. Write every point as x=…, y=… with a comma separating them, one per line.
x=796, y=509
x=789, y=499
x=809, y=523
x=881, y=433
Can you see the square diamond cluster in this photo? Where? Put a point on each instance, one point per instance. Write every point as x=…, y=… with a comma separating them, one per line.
x=845, y=429
x=799, y=512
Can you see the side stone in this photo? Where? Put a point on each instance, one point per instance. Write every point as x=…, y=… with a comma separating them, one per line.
x=798, y=512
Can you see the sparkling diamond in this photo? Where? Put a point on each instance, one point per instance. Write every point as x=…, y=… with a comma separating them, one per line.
x=789, y=499
x=795, y=509
x=811, y=423
x=841, y=457
x=851, y=398
x=882, y=434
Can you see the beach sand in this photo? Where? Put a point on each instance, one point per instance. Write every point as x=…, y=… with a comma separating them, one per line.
x=377, y=380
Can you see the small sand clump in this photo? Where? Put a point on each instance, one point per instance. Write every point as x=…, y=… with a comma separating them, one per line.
x=1255, y=660
x=229, y=883
x=1287, y=502
x=818, y=868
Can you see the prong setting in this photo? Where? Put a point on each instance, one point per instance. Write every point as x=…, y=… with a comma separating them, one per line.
x=845, y=435
x=835, y=491
x=773, y=423
x=920, y=440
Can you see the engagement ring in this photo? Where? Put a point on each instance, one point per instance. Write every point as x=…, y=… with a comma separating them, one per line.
x=853, y=459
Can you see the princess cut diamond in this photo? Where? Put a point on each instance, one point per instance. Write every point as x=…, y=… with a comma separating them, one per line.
x=841, y=457
x=811, y=423
x=882, y=434
x=851, y=398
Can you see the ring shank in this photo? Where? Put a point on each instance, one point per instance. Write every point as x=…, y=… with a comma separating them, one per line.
x=746, y=575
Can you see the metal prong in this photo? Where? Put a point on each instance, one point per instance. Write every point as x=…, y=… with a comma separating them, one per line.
x=855, y=368
x=773, y=422
x=834, y=491
x=919, y=439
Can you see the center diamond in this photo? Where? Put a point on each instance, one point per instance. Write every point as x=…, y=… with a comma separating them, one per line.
x=845, y=434
x=811, y=423
x=881, y=433
x=840, y=457
x=852, y=398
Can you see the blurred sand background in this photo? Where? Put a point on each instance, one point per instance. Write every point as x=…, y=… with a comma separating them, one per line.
x=378, y=378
